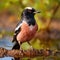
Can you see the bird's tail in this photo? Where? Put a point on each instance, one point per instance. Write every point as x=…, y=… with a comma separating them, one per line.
x=16, y=45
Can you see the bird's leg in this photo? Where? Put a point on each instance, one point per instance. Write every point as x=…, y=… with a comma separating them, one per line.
x=30, y=46
x=20, y=45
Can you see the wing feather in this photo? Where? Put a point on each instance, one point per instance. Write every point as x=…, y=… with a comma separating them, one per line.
x=17, y=30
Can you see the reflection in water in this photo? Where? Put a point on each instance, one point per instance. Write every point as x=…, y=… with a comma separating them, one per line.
x=6, y=58
x=6, y=43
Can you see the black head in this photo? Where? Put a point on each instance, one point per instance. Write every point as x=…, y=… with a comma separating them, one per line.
x=29, y=11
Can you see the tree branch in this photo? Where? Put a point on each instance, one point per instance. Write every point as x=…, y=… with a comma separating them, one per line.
x=53, y=11
x=27, y=53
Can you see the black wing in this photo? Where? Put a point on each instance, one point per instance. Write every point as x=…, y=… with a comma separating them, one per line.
x=16, y=45
x=17, y=30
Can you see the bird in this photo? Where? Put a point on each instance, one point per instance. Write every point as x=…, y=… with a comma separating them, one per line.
x=26, y=28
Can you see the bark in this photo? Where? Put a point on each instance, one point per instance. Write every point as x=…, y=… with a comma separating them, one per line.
x=27, y=53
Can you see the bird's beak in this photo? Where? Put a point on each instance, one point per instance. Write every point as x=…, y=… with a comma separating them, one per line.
x=37, y=12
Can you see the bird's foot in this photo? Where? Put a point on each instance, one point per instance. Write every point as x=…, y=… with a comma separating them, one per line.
x=21, y=49
x=31, y=48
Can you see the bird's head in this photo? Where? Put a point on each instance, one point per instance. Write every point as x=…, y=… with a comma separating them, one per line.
x=29, y=11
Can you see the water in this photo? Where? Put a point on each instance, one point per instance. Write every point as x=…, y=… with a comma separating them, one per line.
x=7, y=58
x=7, y=44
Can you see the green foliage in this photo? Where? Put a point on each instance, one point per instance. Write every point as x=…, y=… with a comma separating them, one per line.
x=17, y=5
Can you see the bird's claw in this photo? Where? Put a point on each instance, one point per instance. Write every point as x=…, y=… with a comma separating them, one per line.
x=21, y=49
x=31, y=48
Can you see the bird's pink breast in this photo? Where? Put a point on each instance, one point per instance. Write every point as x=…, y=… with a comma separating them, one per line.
x=26, y=34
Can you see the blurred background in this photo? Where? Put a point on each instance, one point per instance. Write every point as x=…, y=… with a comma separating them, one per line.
x=10, y=12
